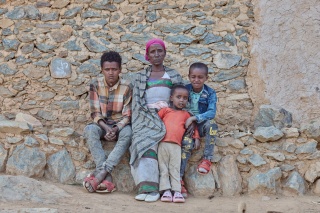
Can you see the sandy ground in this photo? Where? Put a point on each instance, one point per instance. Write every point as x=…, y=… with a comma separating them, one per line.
x=82, y=201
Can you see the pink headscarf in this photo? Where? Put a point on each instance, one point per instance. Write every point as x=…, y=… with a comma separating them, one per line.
x=153, y=41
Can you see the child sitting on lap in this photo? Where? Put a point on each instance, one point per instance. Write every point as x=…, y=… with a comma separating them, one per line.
x=169, y=150
x=202, y=103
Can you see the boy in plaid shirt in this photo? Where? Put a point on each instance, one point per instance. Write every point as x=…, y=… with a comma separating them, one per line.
x=110, y=105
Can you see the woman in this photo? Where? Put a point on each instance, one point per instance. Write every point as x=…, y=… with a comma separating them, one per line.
x=151, y=92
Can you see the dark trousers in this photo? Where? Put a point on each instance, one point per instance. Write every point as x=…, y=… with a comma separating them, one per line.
x=207, y=129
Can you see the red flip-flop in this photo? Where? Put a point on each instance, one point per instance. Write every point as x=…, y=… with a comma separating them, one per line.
x=204, y=164
x=93, y=182
x=105, y=187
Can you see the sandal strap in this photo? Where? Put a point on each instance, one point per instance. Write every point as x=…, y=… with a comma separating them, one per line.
x=109, y=185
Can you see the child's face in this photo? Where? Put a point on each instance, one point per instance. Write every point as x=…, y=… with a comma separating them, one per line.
x=197, y=77
x=179, y=98
x=111, y=71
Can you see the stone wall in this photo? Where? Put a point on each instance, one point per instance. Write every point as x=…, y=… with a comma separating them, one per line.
x=50, y=51
x=274, y=159
x=284, y=68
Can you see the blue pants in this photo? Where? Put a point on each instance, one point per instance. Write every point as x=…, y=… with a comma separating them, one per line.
x=207, y=129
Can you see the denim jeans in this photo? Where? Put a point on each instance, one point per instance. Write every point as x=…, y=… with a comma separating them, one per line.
x=207, y=129
x=93, y=134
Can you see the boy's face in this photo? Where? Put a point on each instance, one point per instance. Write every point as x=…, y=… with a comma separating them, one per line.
x=197, y=77
x=179, y=98
x=111, y=71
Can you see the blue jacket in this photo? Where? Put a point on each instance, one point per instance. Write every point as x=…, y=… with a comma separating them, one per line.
x=207, y=103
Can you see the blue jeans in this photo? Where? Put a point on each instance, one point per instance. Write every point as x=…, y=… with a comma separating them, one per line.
x=207, y=129
x=93, y=134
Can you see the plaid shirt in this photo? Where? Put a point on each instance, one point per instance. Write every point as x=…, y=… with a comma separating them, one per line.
x=111, y=104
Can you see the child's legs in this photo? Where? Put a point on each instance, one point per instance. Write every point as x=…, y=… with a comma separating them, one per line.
x=122, y=145
x=208, y=129
x=164, y=160
x=174, y=166
x=187, y=146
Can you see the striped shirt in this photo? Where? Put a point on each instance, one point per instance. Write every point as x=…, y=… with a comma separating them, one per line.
x=111, y=104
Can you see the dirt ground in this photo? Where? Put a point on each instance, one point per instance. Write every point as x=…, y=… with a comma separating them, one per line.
x=82, y=201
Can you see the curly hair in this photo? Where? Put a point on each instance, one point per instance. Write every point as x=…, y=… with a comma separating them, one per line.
x=199, y=65
x=111, y=56
x=178, y=86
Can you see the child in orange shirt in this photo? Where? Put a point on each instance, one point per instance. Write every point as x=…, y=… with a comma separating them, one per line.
x=169, y=150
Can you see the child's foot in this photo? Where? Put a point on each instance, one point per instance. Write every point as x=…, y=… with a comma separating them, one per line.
x=92, y=181
x=167, y=196
x=106, y=185
x=178, y=198
x=204, y=167
x=184, y=191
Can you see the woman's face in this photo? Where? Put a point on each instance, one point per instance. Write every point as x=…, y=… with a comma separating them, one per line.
x=156, y=54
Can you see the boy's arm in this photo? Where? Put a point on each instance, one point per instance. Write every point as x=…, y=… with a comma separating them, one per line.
x=211, y=111
x=94, y=103
x=126, y=111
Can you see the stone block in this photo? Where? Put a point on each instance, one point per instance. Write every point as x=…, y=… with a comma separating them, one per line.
x=269, y=115
x=229, y=176
x=256, y=160
x=226, y=61
x=294, y=185
x=26, y=161
x=265, y=183
x=265, y=134
x=3, y=157
x=21, y=188
x=14, y=127
x=60, y=68
x=29, y=119
x=307, y=148
x=61, y=132
x=311, y=129
x=199, y=185
x=316, y=188
x=60, y=167
x=313, y=172
x=290, y=132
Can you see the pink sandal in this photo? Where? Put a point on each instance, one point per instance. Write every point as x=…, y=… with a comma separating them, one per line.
x=90, y=183
x=167, y=196
x=178, y=198
x=204, y=164
x=105, y=187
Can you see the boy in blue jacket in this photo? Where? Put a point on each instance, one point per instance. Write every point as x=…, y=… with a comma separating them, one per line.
x=202, y=104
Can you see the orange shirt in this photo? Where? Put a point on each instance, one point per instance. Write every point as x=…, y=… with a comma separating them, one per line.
x=174, y=121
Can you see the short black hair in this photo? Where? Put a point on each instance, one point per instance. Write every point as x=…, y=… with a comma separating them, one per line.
x=199, y=65
x=178, y=86
x=111, y=56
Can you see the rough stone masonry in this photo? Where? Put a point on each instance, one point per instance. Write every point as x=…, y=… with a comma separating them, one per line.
x=50, y=51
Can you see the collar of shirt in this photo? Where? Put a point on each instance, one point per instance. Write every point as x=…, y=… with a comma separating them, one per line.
x=114, y=87
x=197, y=92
